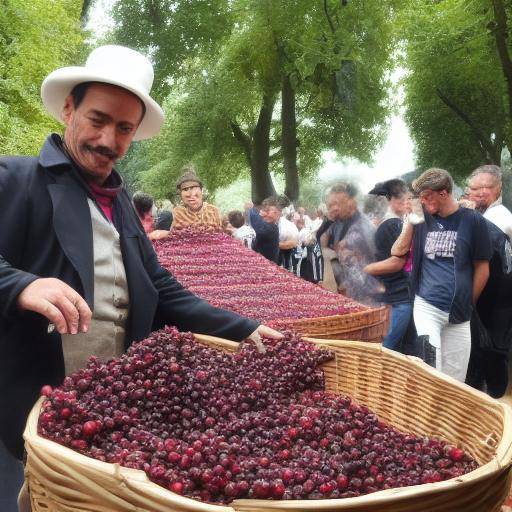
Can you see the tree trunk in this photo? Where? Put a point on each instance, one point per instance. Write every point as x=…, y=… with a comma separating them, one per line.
x=491, y=151
x=501, y=36
x=289, y=139
x=86, y=5
x=261, y=181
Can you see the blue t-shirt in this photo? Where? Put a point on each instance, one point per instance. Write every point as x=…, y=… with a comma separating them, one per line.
x=437, y=279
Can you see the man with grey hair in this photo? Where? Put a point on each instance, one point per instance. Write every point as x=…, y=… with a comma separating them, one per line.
x=485, y=185
x=490, y=365
x=451, y=252
x=347, y=240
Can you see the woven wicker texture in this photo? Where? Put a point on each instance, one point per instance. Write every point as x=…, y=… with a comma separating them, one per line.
x=402, y=390
x=369, y=325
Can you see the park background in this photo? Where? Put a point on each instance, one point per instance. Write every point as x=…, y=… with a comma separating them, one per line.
x=281, y=96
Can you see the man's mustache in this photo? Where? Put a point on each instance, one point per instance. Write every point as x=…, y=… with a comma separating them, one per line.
x=101, y=150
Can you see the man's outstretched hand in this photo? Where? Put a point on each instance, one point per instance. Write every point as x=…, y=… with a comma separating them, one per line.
x=263, y=330
x=58, y=302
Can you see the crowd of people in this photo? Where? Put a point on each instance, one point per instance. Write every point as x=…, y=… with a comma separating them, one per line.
x=430, y=256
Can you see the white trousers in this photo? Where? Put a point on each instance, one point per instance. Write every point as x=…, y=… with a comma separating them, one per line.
x=451, y=341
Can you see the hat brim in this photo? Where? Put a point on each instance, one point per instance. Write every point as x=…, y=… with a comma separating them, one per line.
x=58, y=85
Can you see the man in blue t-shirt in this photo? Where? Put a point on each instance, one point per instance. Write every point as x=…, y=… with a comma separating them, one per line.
x=451, y=257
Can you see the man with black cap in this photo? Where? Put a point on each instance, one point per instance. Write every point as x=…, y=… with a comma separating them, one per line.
x=78, y=276
x=194, y=211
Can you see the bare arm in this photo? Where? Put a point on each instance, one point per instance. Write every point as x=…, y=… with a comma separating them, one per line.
x=387, y=266
x=480, y=277
x=402, y=244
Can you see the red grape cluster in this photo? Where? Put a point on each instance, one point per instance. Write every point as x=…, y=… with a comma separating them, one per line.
x=223, y=271
x=217, y=426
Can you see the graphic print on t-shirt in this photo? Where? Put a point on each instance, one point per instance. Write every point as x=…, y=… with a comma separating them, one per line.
x=440, y=244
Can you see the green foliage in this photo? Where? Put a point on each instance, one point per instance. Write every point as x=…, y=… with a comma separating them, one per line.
x=217, y=59
x=448, y=47
x=35, y=39
x=173, y=32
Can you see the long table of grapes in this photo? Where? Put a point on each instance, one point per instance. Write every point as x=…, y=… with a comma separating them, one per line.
x=221, y=270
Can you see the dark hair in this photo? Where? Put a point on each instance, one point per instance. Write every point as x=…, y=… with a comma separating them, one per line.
x=283, y=201
x=142, y=202
x=164, y=220
x=236, y=218
x=272, y=201
x=80, y=90
x=78, y=93
x=390, y=188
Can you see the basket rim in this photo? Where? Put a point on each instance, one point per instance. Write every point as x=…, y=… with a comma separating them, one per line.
x=381, y=310
x=501, y=460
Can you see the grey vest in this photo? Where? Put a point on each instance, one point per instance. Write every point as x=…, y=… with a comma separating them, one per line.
x=106, y=335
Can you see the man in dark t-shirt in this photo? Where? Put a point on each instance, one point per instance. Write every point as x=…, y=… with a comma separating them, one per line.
x=451, y=257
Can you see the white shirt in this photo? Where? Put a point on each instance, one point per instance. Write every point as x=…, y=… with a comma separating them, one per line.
x=307, y=221
x=287, y=230
x=500, y=216
x=245, y=234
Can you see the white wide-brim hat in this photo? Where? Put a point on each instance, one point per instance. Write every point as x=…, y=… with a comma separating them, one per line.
x=110, y=64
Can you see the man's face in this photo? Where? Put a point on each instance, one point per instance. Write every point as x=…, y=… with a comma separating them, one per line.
x=432, y=200
x=270, y=214
x=192, y=195
x=483, y=190
x=340, y=206
x=100, y=130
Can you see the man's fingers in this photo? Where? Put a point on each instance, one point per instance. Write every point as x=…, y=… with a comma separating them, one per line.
x=70, y=312
x=259, y=346
x=58, y=302
x=263, y=330
x=84, y=312
x=47, y=309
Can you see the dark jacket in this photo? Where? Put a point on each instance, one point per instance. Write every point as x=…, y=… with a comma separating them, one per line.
x=472, y=232
x=267, y=236
x=46, y=231
x=494, y=305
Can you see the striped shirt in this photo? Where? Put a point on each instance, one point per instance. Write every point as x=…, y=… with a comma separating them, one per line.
x=207, y=215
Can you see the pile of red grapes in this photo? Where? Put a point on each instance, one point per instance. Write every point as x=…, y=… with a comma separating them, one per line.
x=223, y=271
x=217, y=426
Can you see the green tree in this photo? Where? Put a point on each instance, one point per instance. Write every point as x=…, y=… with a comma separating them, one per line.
x=34, y=40
x=262, y=85
x=457, y=99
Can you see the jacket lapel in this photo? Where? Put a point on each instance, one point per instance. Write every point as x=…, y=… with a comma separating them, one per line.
x=143, y=295
x=73, y=228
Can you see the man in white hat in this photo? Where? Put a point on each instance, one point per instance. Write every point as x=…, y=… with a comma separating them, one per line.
x=78, y=276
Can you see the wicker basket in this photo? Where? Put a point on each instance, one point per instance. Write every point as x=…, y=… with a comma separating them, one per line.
x=370, y=325
x=402, y=390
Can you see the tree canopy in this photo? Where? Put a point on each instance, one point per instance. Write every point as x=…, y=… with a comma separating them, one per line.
x=456, y=93
x=34, y=40
x=259, y=85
